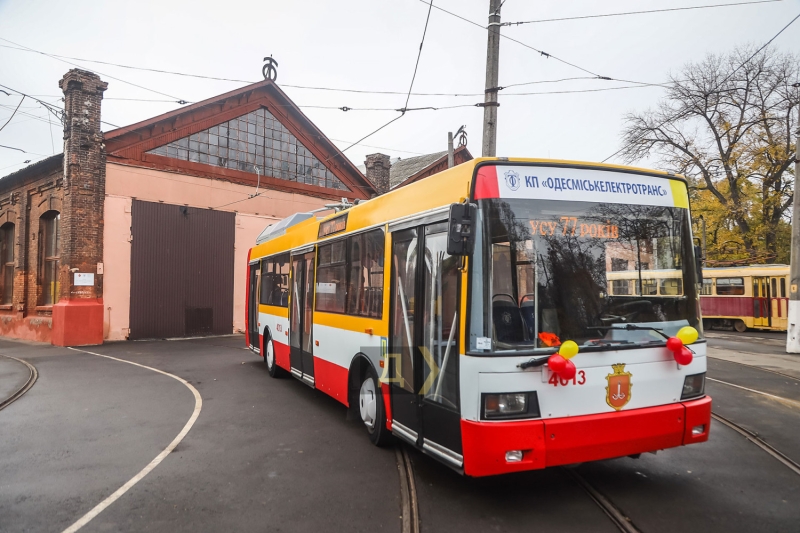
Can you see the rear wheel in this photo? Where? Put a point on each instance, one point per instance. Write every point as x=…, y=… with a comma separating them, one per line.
x=371, y=409
x=740, y=326
x=269, y=358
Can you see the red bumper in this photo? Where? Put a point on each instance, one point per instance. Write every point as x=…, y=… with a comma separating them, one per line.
x=581, y=438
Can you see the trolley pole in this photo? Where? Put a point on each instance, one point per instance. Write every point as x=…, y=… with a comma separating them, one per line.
x=451, y=161
x=793, y=331
x=490, y=103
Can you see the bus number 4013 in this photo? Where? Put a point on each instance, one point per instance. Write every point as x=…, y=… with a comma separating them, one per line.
x=578, y=379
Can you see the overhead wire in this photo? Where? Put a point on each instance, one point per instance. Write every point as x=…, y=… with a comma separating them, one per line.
x=720, y=84
x=14, y=113
x=395, y=119
x=664, y=10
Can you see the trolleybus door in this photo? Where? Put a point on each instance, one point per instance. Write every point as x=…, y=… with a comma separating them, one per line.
x=761, y=303
x=300, y=322
x=252, y=307
x=424, y=342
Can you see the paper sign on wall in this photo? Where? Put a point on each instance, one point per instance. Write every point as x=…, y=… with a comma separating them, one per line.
x=83, y=279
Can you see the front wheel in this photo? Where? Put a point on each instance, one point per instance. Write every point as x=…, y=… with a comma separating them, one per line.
x=740, y=326
x=371, y=409
x=269, y=358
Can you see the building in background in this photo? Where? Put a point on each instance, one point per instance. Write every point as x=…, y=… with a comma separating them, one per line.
x=144, y=232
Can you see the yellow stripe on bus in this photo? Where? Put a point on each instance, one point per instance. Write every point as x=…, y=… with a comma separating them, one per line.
x=680, y=195
x=378, y=326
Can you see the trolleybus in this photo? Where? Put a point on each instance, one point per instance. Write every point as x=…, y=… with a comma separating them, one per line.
x=434, y=312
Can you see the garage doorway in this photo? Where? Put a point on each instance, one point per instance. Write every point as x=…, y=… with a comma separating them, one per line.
x=181, y=271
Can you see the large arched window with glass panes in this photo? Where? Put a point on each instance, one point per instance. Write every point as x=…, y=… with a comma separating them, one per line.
x=49, y=256
x=257, y=143
x=7, y=263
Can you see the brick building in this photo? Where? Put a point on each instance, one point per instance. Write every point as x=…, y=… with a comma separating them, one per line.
x=143, y=232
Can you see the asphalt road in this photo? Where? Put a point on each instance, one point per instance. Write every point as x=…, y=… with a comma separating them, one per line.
x=275, y=455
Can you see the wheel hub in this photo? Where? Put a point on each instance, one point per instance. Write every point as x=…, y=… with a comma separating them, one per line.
x=368, y=402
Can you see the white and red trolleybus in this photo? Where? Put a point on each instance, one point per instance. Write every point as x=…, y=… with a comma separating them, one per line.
x=433, y=310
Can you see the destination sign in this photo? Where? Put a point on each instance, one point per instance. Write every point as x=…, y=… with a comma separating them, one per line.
x=332, y=226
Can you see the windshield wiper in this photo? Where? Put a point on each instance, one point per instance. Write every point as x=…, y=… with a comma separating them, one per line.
x=633, y=327
x=539, y=361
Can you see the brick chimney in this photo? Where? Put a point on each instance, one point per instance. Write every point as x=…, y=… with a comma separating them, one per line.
x=78, y=316
x=378, y=167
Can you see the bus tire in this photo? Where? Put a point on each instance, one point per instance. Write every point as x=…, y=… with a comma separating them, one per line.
x=740, y=326
x=371, y=409
x=269, y=358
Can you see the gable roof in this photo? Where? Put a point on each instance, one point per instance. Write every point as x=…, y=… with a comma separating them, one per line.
x=130, y=144
x=412, y=169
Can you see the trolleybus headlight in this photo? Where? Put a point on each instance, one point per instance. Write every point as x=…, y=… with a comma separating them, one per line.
x=693, y=386
x=510, y=405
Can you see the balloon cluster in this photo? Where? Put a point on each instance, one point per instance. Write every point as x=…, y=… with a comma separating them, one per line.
x=677, y=345
x=560, y=362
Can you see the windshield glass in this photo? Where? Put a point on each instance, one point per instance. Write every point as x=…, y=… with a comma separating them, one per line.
x=600, y=274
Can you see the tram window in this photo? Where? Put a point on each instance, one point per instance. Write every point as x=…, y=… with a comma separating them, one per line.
x=707, y=285
x=275, y=281
x=783, y=288
x=730, y=286
x=671, y=287
x=774, y=288
x=331, y=278
x=649, y=287
x=365, y=266
x=621, y=287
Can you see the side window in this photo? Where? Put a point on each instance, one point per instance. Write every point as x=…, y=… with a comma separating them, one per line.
x=649, y=287
x=671, y=287
x=7, y=262
x=365, y=267
x=783, y=287
x=49, y=256
x=275, y=281
x=730, y=286
x=706, y=289
x=621, y=287
x=331, y=289
x=774, y=288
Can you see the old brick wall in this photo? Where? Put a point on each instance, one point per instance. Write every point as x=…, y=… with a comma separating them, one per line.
x=24, y=197
x=84, y=182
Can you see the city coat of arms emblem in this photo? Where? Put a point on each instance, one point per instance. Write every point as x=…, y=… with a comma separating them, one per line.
x=618, y=391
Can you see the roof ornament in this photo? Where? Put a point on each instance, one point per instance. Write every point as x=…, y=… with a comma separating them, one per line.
x=270, y=69
x=461, y=135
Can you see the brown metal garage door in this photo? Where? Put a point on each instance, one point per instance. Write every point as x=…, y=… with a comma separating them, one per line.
x=181, y=271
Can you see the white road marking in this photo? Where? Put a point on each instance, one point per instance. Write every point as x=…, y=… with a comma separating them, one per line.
x=779, y=398
x=198, y=404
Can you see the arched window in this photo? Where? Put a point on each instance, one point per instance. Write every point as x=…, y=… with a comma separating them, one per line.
x=49, y=255
x=7, y=262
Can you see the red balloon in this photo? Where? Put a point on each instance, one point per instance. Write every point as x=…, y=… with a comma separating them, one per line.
x=556, y=363
x=569, y=370
x=684, y=357
x=674, y=344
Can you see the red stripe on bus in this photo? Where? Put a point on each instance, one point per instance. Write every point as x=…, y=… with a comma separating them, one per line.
x=247, y=302
x=282, y=355
x=331, y=379
x=387, y=404
x=486, y=183
x=580, y=439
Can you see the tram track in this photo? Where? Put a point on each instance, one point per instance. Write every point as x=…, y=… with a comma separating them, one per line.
x=614, y=513
x=34, y=375
x=408, y=491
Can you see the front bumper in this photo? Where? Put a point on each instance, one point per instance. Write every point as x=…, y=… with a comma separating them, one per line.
x=579, y=439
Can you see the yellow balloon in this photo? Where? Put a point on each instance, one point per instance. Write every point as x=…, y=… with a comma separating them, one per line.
x=687, y=334
x=568, y=350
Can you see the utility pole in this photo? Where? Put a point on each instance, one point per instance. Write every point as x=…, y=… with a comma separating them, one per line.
x=490, y=103
x=793, y=331
x=451, y=159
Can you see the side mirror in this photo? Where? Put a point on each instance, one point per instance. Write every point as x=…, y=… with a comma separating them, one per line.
x=698, y=263
x=461, y=230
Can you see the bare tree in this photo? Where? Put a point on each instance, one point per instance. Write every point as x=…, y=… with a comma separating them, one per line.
x=727, y=123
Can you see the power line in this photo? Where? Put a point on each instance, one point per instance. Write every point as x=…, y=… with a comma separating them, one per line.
x=419, y=55
x=718, y=85
x=177, y=100
x=638, y=12
x=12, y=114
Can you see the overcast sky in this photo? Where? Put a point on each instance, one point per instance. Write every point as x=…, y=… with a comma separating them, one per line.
x=373, y=45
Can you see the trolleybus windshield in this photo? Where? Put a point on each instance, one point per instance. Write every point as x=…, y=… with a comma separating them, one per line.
x=542, y=274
